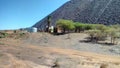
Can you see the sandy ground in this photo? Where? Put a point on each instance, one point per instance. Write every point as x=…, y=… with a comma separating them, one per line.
x=42, y=50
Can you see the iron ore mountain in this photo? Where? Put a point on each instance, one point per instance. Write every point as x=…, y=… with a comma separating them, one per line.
x=86, y=11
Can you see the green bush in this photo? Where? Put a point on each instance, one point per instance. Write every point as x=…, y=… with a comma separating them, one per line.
x=89, y=26
x=78, y=27
x=65, y=24
x=82, y=27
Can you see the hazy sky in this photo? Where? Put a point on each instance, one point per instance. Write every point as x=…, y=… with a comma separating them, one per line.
x=16, y=14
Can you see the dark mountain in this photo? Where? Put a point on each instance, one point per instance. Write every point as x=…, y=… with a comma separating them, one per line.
x=86, y=11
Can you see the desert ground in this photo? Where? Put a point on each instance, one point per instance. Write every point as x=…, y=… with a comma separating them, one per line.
x=43, y=50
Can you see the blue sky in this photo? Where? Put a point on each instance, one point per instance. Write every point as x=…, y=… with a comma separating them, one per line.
x=15, y=14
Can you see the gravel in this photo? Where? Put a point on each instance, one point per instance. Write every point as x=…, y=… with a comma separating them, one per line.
x=61, y=41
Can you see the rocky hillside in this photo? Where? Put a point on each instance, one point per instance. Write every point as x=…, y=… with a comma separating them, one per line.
x=86, y=11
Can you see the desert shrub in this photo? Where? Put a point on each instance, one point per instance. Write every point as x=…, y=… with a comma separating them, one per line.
x=101, y=32
x=97, y=32
x=3, y=35
x=114, y=33
x=78, y=27
x=21, y=35
x=82, y=27
x=101, y=27
x=65, y=24
x=89, y=26
x=15, y=31
x=96, y=35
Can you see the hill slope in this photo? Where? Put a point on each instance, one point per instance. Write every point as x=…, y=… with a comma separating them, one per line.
x=86, y=11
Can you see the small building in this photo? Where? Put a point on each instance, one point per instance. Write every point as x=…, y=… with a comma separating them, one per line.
x=32, y=29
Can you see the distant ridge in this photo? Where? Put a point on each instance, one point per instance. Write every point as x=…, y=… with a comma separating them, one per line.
x=86, y=11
